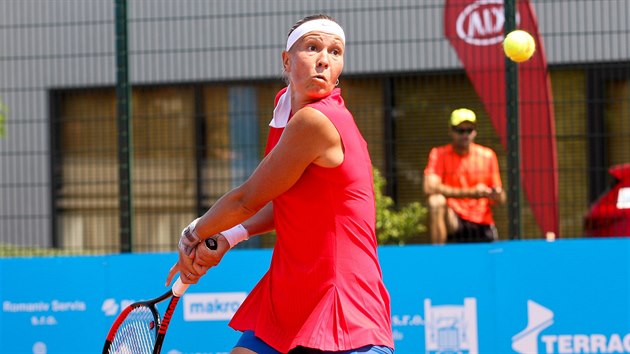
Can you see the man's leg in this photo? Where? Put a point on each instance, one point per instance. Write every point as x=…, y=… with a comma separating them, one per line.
x=453, y=223
x=442, y=219
x=437, y=219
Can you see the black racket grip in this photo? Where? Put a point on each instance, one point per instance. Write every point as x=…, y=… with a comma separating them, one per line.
x=211, y=243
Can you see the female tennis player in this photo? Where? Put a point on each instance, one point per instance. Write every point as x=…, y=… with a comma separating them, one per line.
x=324, y=290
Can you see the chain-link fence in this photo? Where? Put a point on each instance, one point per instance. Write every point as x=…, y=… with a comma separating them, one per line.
x=203, y=76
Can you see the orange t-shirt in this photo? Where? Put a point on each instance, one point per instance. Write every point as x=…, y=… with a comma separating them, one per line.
x=480, y=165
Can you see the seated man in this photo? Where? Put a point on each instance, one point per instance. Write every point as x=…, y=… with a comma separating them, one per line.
x=462, y=182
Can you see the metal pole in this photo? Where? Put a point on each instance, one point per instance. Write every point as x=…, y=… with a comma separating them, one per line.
x=125, y=132
x=390, y=137
x=513, y=128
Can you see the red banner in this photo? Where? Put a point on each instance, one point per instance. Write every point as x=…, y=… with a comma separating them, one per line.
x=475, y=29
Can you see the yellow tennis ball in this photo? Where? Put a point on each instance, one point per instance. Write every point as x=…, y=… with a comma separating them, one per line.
x=519, y=46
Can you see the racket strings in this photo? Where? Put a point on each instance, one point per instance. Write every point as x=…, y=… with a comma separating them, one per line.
x=136, y=334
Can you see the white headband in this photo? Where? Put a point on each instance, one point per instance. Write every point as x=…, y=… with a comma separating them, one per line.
x=319, y=25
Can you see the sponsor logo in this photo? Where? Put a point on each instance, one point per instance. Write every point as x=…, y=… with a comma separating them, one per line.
x=404, y=320
x=540, y=318
x=451, y=328
x=623, y=198
x=42, y=306
x=212, y=306
x=43, y=313
x=111, y=307
x=43, y=320
x=481, y=23
x=40, y=348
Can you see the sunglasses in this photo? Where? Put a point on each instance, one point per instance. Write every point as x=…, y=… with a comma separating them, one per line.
x=463, y=130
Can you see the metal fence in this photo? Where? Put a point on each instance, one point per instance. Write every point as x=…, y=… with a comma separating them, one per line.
x=120, y=121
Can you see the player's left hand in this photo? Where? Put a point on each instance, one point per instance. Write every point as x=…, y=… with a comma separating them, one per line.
x=206, y=258
x=188, y=273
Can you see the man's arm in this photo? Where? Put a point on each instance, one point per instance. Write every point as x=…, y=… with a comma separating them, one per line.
x=433, y=185
x=498, y=194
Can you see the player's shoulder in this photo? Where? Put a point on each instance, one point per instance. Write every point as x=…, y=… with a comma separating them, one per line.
x=309, y=124
x=308, y=115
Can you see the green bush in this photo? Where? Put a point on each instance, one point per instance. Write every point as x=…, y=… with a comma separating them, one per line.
x=396, y=225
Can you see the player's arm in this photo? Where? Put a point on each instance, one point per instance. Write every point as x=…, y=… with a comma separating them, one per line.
x=261, y=222
x=309, y=137
x=205, y=258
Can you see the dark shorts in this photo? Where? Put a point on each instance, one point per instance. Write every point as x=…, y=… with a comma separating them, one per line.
x=473, y=232
x=250, y=341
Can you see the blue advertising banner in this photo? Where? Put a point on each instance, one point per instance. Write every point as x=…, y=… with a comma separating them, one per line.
x=568, y=296
x=565, y=297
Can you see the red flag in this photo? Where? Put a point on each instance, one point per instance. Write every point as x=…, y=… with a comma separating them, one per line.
x=475, y=29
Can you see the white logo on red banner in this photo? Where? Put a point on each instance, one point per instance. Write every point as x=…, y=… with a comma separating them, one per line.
x=481, y=23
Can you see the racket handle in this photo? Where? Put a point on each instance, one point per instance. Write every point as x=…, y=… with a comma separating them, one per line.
x=179, y=288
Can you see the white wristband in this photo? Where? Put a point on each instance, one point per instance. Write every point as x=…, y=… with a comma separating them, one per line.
x=235, y=235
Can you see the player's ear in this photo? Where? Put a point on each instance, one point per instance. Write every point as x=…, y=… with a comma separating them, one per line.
x=285, y=61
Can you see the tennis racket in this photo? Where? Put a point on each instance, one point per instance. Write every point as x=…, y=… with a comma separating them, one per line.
x=138, y=329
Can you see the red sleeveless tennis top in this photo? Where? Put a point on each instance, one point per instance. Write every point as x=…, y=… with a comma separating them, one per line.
x=324, y=287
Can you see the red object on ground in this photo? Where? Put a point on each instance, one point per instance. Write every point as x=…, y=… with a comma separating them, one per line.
x=609, y=215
